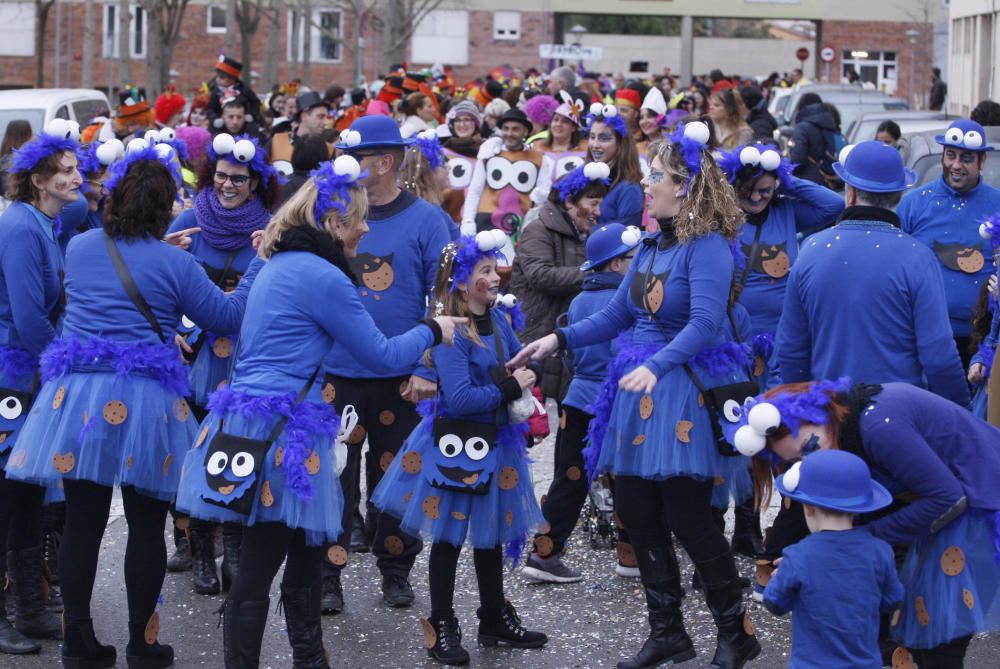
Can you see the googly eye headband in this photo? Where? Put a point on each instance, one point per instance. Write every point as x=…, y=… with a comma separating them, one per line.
x=990, y=231
x=137, y=151
x=760, y=417
x=429, y=144
x=964, y=134
x=59, y=135
x=692, y=139
x=577, y=181
x=468, y=251
x=762, y=158
x=333, y=180
x=242, y=150
x=609, y=116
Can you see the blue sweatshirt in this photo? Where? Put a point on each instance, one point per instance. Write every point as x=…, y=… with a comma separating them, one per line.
x=299, y=306
x=396, y=264
x=916, y=442
x=688, y=289
x=31, y=267
x=948, y=223
x=623, y=204
x=865, y=300
x=590, y=363
x=803, y=208
x=211, y=258
x=171, y=281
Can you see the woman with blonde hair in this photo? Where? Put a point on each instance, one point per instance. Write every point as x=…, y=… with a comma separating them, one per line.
x=654, y=426
x=727, y=110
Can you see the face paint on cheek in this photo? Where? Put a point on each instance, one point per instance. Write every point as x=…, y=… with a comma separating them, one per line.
x=811, y=445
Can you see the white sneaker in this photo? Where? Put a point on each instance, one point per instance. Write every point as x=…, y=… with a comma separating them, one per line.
x=626, y=572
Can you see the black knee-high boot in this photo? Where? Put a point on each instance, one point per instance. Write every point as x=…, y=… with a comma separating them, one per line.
x=12, y=641
x=668, y=641
x=305, y=632
x=243, y=632
x=736, y=644
x=206, y=578
x=32, y=618
x=232, y=537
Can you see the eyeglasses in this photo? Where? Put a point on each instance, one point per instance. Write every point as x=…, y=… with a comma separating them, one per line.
x=235, y=179
x=359, y=156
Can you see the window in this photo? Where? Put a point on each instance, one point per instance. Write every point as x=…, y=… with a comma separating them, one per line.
x=17, y=29
x=86, y=110
x=507, y=26
x=137, y=32
x=216, y=18
x=326, y=31
x=442, y=37
x=877, y=68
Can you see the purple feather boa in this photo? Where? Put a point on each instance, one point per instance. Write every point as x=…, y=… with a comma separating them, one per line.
x=574, y=183
x=306, y=421
x=41, y=147
x=228, y=229
x=723, y=359
x=16, y=363
x=118, y=169
x=467, y=256
x=763, y=345
x=629, y=354
x=153, y=360
x=517, y=320
x=691, y=150
x=616, y=123
x=731, y=165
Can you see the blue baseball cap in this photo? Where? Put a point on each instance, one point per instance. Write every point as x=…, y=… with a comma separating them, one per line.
x=372, y=132
x=835, y=480
x=966, y=135
x=609, y=242
x=874, y=167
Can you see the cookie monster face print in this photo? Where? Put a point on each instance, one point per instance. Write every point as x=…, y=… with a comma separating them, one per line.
x=647, y=290
x=772, y=260
x=465, y=459
x=733, y=402
x=232, y=467
x=964, y=258
x=14, y=406
x=375, y=272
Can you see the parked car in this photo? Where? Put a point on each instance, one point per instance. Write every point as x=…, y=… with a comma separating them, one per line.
x=909, y=121
x=850, y=101
x=923, y=155
x=38, y=106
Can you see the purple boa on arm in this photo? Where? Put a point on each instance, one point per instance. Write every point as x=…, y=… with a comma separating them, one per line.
x=763, y=345
x=517, y=321
x=16, y=363
x=157, y=361
x=228, y=229
x=41, y=147
x=722, y=359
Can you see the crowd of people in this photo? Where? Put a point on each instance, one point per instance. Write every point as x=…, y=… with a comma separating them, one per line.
x=231, y=308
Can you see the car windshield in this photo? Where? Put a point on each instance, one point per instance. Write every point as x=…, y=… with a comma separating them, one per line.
x=867, y=128
x=928, y=169
x=36, y=117
x=850, y=111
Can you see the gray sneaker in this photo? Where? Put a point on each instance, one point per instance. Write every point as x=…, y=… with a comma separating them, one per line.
x=550, y=570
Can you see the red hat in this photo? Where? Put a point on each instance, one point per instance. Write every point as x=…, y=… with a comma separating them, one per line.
x=132, y=101
x=168, y=104
x=626, y=96
x=227, y=65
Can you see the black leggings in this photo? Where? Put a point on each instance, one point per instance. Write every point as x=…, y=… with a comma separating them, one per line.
x=442, y=566
x=20, y=515
x=264, y=548
x=87, y=507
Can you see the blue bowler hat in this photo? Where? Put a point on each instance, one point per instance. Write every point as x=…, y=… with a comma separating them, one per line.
x=966, y=135
x=609, y=242
x=372, y=132
x=875, y=167
x=834, y=480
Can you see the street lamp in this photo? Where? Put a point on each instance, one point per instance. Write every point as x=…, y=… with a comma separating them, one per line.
x=912, y=34
x=576, y=33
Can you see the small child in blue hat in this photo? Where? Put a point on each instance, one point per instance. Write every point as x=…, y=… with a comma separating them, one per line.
x=839, y=579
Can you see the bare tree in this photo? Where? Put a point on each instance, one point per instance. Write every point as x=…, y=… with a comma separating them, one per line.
x=248, y=13
x=163, y=19
x=42, y=8
x=273, y=57
x=124, y=42
x=230, y=23
x=87, y=74
x=400, y=19
x=307, y=15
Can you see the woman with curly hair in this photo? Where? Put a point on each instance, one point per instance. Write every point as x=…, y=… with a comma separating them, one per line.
x=653, y=428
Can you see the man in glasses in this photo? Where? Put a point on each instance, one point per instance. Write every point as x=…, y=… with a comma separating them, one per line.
x=945, y=215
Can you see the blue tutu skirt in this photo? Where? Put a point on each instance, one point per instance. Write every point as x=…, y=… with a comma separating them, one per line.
x=210, y=367
x=298, y=487
x=952, y=583
x=736, y=489
x=17, y=370
x=505, y=515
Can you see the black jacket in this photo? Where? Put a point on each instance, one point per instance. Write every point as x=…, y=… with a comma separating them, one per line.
x=762, y=123
x=813, y=143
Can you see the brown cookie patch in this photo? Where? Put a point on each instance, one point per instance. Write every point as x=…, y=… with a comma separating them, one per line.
x=430, y=636
x=377, y=274
x=968, y=598
x=923, y=615
x=758, y=366
x=57, y=399
x=393, y=545
x=64, y=462
x=573, y=473
x=701, y=400
x=508, y=478
x=167, y=461
x=152, y=629
x=412, y=463
x=639, y=440
x=329, y=393
x=266, y=496
x=562, y=420
x=182, y=524
x=626, y=554
x=953, y=561
x=385, y=461
x=683, y=431
x=115, y=412
x=970, y=261
x=356, y=436
x=279, y=456
x=544, y=546
x=458, y=515
x=654, y=295
x=509, y=518
x=432, y=507
x=901, y=659
x=181, y=409
x=645, y=406
x=128, y=462
x=386, y=417
x=719, y=480
x=201, y=437
x=223, y=347
x=408, y=496
x=777, y=267
x=747, y=624
x=337, y=555
x=312, y=463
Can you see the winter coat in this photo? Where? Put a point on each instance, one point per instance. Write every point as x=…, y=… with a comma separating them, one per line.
x=762, y=123
x=546, y=277
x=814, y=143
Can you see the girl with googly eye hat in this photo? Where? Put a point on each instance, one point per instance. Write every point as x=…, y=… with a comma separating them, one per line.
x=463, y=476
x=609, y=141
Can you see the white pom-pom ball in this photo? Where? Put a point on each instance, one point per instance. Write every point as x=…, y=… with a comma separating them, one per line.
x=223, y=144
x=484, y=240
x=151, y=137
x=985, y=230
x=427, y=134
x=593, y=171
x=790, y=479
x=164, y=151
x=347, y=166
x=748, y=442
x=596, y=109
x=74, y=131
x=697, y=131
x=499, y=238
x=351, y=138
x=750, y=155
x=217, y=123
x=137, y=144
x=844, y=152
x=764, y=418
x=631, y=236
x=118, y=145
x=59, y=127
x=244, y=151
x=770, y=160
x=953, y=136
x=973, y=140
x=167, y=135
x=605, y=170
x=107, y=154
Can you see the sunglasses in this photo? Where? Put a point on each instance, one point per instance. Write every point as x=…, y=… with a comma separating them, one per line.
x=235, y=179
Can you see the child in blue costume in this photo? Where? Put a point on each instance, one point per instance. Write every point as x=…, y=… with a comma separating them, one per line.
x=833, y=628
x=609, y=141
x=31, y=303
x=659, y=440
x=938, y=460
x=463, y=475
x=111, y=410
x=609, y=255
x=288, y=482
x=985, y=326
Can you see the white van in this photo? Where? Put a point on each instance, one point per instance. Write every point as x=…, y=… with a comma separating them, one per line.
x=38, y=106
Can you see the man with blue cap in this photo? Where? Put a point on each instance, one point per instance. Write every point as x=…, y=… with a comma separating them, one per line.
x=945, y=215
x=609, y=254
x=864, y=299
x=395, y=268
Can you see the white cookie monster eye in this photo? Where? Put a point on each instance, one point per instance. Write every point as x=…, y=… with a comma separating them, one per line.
x=137, y=144
x=609, y=111
x=217, y=463
x=986, y=230
x=244, y=151
x=954, y=136
x=592, y=171
x=790, y=479
x=74, y=131
x=10, y=408
x=223, y=144
x=732, y=411
x=750, y=156
x=351, y=138
x=748, y=442
x=107, y=153
x=499, y=238
x=164, y=151
x=631, y=236
x=973, y=140
x=507, y=300
x=151, y=137
x=764, y=418
x=697, y=131
x=243, y=464
x=58, y=127
x=596, y=109
x=347, y=166
x=477, y=448
x=844, y=152
x=450, y=445
x=167, y=135
x=485, y=241
x=770, y=160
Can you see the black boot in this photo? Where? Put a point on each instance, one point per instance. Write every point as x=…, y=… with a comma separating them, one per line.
x=332, y=601
x=81, y=649
x=206, y=579
x=736, y=644
x=305, y=633
x=504, y=626
x=444, y=640
x=13, y=642
x=668, y=641
x=747, y=539
x=242, y=631
x=140, y=653
x=180, y=559
x=232, y=537
x=31, y=617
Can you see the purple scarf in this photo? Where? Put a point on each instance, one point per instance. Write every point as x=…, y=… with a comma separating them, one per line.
x=228, y=229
